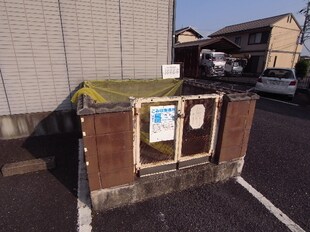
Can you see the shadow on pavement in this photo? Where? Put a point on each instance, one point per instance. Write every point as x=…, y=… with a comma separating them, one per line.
x=301, y=99
x=64, y=147
x=44, y=200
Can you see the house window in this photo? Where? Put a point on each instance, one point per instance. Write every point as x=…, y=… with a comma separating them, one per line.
x=289, y=19
x=258, y=38
x=275, y=61
x=238, y=40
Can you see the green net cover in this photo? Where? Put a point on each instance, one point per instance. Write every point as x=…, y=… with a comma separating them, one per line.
x=120, y=90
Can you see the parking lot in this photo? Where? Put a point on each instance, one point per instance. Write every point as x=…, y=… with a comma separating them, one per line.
x=277, y=165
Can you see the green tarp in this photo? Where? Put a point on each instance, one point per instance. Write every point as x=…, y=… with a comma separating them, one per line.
x=121, y=90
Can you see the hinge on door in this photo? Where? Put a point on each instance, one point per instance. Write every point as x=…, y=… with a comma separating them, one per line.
x=219, y=103
x=181, y=115
x=136, y=111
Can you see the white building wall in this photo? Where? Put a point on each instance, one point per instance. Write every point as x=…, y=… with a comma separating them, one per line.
x=48, y=47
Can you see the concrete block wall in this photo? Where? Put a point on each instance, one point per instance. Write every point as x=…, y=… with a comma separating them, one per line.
x=234, y=131
x=108, y=148
x=164, y=183
x=37, y=124
x=109, y=157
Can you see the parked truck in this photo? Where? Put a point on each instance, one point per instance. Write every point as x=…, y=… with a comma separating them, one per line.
x=199, y=63
x=234, y=66
x=212, y=63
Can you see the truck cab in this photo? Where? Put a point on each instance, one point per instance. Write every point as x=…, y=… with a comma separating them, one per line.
x=212, y=63
x=234, y=66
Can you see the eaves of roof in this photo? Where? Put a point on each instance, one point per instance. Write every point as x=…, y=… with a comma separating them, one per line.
x=252, y=25
x=220, y=44
x=179, y=31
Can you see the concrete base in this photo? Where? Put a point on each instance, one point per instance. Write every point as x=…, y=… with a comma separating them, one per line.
x=36, y=124
x=156, y=185
x=28, y=166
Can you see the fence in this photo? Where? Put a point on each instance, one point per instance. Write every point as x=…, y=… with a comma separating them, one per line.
x=149, y=134
x=174, y=132
x=304, y=83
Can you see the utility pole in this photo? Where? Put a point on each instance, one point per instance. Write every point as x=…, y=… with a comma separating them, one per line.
x=306, y=27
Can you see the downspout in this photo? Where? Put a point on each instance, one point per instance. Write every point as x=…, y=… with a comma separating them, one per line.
x=269, y=49
x=65, y=51
x=295, y=53
x=5, y=92
x=121, y=37
x=173, y=31
x=198, y=71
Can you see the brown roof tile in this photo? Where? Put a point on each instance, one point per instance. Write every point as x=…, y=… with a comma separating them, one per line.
x=179, y=31
x=260, y=23
x=218, y=43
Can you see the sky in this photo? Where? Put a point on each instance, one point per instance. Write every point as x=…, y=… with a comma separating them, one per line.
x=208, y=16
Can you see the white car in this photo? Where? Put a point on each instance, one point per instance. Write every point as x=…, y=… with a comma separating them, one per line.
x=278, y=81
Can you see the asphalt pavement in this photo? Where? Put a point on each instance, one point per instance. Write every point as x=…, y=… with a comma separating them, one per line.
x=215, y=207
x=278, y=160
x=277, y=165
x=44, y=200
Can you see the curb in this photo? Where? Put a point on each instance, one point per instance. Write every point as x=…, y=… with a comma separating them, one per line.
x=27, y=166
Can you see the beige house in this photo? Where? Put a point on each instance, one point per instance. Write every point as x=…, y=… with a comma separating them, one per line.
x=271, y=42
x=186, y=34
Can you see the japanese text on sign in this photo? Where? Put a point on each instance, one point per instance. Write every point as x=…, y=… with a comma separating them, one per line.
x=171, y=71
x=162, y=123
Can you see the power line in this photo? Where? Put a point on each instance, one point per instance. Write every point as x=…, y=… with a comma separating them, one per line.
x=306, y=28
x=306, y=48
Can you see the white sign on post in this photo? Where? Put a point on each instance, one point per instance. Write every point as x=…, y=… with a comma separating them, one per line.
x=162, y=123
x=171, y=71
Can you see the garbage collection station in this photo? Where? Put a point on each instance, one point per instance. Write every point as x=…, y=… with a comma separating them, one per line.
x=146, y=138
x=142, y=137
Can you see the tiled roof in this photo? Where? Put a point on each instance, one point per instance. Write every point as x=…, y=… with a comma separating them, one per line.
x=260, y=23
x=218, y=43
x=179, y=31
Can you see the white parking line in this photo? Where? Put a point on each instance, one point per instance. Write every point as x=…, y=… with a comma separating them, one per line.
x=271, y=207
x=284, y=102
x=83, y=201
